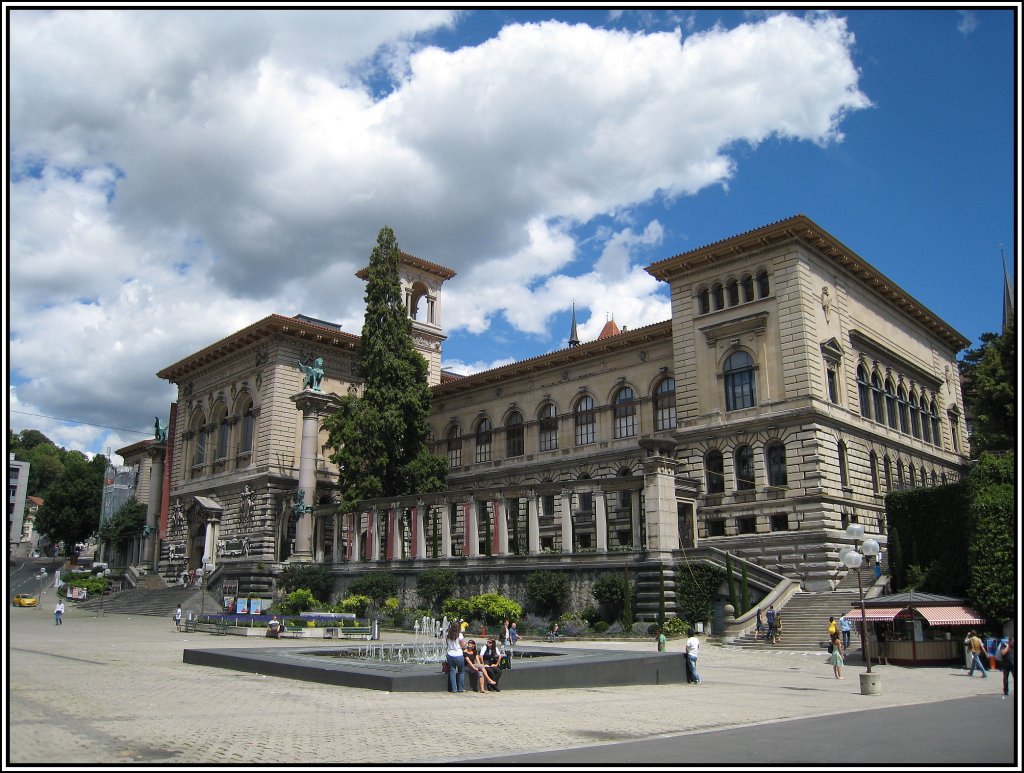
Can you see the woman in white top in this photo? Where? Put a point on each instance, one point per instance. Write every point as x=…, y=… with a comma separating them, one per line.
x=456, y=660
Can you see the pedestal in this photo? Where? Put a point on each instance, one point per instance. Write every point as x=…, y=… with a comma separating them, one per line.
x=871, y=684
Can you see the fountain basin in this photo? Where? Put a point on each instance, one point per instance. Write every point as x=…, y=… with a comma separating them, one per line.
x=532, y=668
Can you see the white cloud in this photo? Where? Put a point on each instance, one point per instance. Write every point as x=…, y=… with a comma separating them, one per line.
x=180, y=174
x=968, y=22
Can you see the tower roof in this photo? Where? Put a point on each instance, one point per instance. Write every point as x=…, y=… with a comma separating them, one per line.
x=610, y=329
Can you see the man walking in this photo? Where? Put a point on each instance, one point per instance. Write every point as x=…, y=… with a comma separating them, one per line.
x=977, y=650
x=1009, y=666
x=58, y=613
x=844, y=629
x=692, y=650
x=770, y=619
x=177, y=617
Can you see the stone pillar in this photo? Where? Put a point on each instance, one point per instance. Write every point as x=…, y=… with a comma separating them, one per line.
x=634, y=514
x=391, y=539
x=313, y=405
x=156, y=454
x=601, y=521
x=446, y=531
x=567, y=546
x=500, y=545
x=419, y=542
x=533, y=523
x=373, y=535
x=471, y=530
x=336, y=521
x=660, y=499
x=210, y=543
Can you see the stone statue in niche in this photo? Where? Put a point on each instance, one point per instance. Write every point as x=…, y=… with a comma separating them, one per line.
x=312, y=374
x=826, y=302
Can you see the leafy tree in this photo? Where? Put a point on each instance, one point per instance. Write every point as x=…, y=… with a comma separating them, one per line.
x=696, y=588
x=313, y=577
x=456, y=608
x=124, y=525
x=27, y=439
x=47, y=463
x=896, y=571
x=300, y=600
x=356, y=605
x=493, y=608
x=992, y=553
x=611, y=592
x=547, y=590
x=380, y=439
x=435, y=585
x=990, y=391
x=71, y=512
x=379, y=586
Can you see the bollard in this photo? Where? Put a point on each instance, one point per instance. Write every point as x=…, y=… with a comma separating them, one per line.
x=870, y=684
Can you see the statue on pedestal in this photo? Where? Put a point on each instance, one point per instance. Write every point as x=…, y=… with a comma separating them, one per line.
x=312, y=374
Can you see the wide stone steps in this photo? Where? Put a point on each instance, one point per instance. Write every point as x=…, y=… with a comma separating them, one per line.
x=159, y=602
x=805, y=620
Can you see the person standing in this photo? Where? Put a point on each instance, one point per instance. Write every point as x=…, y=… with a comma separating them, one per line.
x=770, y=618
x=759, y=630
x=692, y=651
x=455, y=658
x=832, y=627
x=977, y=650
x=58, y=612
x=662, y=641
x=177, y=618
x=844, y=629
x=777, y=630
x=1009, y=666
x=836, y=659
x=513, y=637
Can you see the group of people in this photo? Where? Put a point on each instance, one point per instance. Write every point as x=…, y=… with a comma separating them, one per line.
x=1007, y=659
x=769, y=627
x=483, y=666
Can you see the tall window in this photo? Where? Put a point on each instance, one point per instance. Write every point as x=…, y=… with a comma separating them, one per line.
x=586, y=421
x=732, y=291
x=873, y=464
x=625, y=413
x=714, y=471
x=703, y=301
x=483, y=440
x=864, y=392
x=844, y=472
x=223, y=435
x=747, y=285
x=887, y=470
x=454, y=447
x=900, y=480
x=247, y=431
x=775, y=461
x=915, y=418
x=514, y=436
x=832, y=380
x=199, y=451
x=718, y=296
x=876, y=398
x=744, y=458
x=904, y=409
x=954, y=431
x=665, y=404
x=890, y=403
x=739, y=381
x=913, y=476
x=936, y=427
x=926, y=425
x=548, y=428
x=762, y=284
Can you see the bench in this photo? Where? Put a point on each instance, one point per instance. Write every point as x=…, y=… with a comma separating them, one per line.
x=294, y=631
x=354, y=632
x=190, y=625
x=220, y=627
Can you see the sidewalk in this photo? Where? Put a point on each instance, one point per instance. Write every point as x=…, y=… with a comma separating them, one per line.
x=114, y=690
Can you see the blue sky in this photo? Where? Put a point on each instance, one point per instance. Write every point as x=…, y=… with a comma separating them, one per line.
x=177, y=175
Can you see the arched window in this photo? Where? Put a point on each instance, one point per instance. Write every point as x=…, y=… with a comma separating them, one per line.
x=747, y=285
x=624, y=412
x=483, y=440
x=915, y=417
x=936, y=427
x=586, y=421
x=718, y=296
x=548, y=428
x=247, y=431
x=926, y=425
x=223, y=437
x=934, y=479
x=913, y=476
x=714, y=471
x=744, y=463
x=198, y=429
x=873, y=464
x=665, y=404
x=900, y=478
x=454, y=447
x=904, y=409
x=739, y=381
x=762, y=284
x=775, y=461
x=703, y=301
x=864, y=392
x=943, y=479
x=877, y=402
x=887, y=470
x=514, y=437
x=890, y=402
x=732, y=292
x=844, y=472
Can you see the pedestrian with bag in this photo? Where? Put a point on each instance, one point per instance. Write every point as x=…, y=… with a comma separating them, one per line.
x=770, y=619
x=1009, y=666
x=844, y=629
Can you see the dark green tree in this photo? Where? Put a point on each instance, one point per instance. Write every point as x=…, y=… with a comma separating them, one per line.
x=627, y=605
x=434, y=586
x=611, y=592
x=124, y=525
x=897, y=572
x=379, y=586
x=71, y=512
x=696, y=588
x=313, y=577
x=992, y=554
x=547, y=590
x=990, y=391
x=380, y=438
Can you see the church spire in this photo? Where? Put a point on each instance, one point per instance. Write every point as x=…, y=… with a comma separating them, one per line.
x=1008, y=310
x=574, y=338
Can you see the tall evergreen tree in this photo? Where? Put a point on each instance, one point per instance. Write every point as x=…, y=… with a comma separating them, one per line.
x=990, y=391
x=380, y=438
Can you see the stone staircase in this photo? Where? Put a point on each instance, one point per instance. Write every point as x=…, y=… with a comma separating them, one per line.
x=805, y=620
x=157, y=602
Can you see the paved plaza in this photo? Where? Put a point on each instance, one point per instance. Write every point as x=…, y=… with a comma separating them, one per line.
x=113, y=689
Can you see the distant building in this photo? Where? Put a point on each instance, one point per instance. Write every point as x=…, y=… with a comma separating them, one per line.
x=29, y=535
x=17, y=491
x=792, y=388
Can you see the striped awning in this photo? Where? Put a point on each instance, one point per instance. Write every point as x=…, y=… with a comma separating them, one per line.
x=955, y=615
x=877, y=614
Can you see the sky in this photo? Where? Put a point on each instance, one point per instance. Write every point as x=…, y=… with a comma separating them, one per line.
x=176, y=174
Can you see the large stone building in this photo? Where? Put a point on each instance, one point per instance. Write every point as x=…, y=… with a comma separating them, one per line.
x=793, y=386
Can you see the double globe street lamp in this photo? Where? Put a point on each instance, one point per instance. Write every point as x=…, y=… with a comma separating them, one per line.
x=870, y=684
x=41, y=576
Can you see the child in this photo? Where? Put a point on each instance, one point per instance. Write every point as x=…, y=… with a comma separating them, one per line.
x=662, y=641
x=837, y=657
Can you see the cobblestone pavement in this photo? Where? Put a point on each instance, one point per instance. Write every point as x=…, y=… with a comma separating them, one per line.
x=109, y=690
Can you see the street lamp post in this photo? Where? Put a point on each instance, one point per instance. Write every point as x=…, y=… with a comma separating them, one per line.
x=42, y=577
x=202, y=590
x=853, y=559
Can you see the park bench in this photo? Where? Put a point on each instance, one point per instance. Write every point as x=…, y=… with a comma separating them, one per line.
x=220, y=627
x=190, y=625
x=354, y=632
x=293, y=630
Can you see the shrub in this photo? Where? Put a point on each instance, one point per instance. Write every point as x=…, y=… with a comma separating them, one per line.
x=676, y=627
x=356, y=605
x=547, y=590
x=572, y=627
x=493, y=608
x=611, y=590
x=297, y=601
x=696, y=588
x=379, y=586
x=652, y=629
x=434, y=586
x=456, y=608
x=592, y=615
x=600, y=626
x=315, y=578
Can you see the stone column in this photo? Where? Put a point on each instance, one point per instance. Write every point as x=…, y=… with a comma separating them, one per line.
x=446, y=531
x=660, y=499
x=313, y=405
x=471, y=530
x=634, y=514
x=389, y=545
x=601, y=521
x=156, y=453
x=336, y=521
x=419, y=542
x=210, y=543
x=533, y=523
x=500, y=545
x=373, y=535
x=567, y=546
